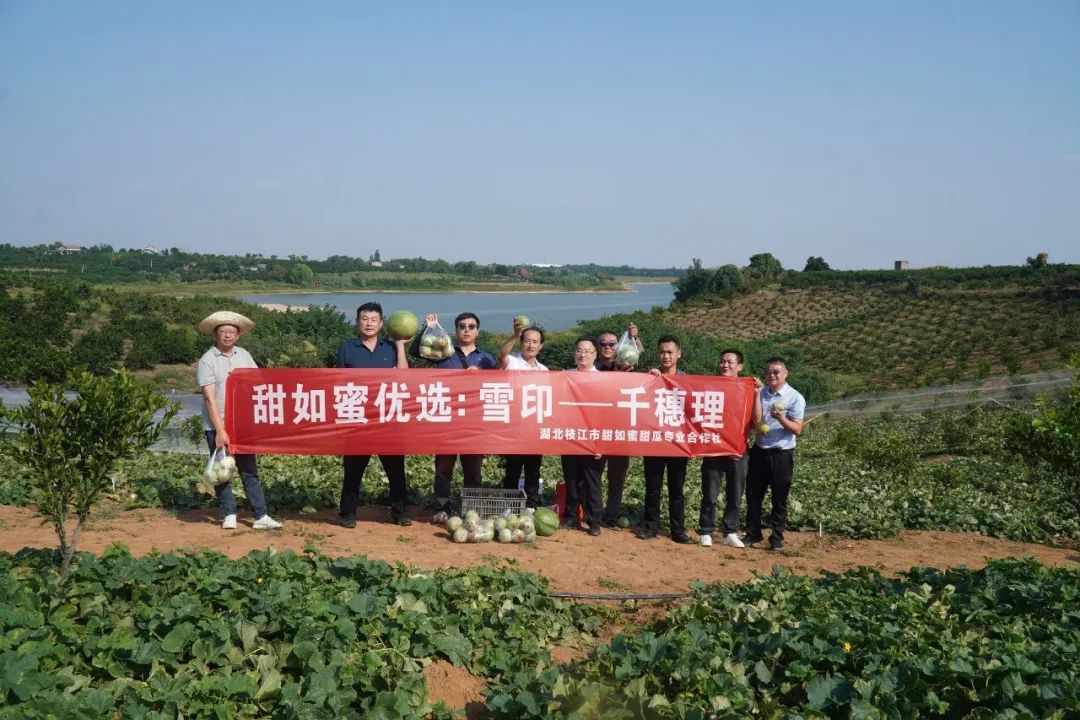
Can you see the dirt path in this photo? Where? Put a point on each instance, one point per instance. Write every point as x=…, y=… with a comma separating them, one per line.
x=616, y=562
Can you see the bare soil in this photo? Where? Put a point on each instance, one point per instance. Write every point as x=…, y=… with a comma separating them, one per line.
x=615, y=563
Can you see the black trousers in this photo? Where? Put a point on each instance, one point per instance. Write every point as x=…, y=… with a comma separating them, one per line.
x=654, y=483
x=529, y=465
x=769, y=470
x=732, y=471
x=444, y=473
x=354, y=466
x=617, y=466
x=583, y=487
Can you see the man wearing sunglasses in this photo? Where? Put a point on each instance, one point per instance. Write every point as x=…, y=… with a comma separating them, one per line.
x=466, y=357
x=617, y=465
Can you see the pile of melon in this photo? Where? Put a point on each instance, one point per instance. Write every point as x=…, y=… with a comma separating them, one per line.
x=505, y=528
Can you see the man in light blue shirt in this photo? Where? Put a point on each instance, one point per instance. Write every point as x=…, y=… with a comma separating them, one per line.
x=772, y=459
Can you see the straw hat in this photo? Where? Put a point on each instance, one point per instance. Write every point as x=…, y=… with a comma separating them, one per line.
x=225, y=317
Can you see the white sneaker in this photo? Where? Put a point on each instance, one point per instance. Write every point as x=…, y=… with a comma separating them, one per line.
x=229, y=523
x=706, y=541
x=732, y=540
x=265, y=523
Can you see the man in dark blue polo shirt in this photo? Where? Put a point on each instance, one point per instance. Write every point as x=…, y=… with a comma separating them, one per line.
x=466, y=357
x=369, y=350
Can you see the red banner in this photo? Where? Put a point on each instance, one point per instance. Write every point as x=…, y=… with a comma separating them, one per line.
x=428, y=411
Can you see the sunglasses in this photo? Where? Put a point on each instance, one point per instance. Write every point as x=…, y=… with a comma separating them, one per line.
x=467, y=326
x=607, y=344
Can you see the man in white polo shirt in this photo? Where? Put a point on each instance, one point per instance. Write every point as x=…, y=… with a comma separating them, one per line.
x=772, y=459
x=213, y=370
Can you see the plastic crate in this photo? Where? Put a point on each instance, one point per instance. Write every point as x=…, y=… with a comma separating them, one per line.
x=492, y=501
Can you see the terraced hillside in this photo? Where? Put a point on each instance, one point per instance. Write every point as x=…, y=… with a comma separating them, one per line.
x=890, y=339
x=782, y=312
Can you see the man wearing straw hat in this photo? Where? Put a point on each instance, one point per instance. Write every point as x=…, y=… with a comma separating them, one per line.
x=214, y=367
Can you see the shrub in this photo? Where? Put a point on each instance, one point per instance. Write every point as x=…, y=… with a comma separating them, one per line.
x=71, y=444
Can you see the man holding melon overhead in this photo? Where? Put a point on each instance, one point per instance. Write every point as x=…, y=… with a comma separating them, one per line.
x=464, y=356
x=772, y=459
x=371, y=350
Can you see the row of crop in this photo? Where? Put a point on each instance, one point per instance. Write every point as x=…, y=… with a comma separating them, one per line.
x=997, y=642
x=304, y=636
x=859, y=478
x=282, y=635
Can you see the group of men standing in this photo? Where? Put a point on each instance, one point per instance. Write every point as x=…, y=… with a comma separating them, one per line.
x=776, y=421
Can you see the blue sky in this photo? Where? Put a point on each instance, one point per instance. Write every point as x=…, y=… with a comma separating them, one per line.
x=644, y=133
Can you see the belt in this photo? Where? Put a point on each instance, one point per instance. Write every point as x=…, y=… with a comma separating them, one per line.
x=772, y=451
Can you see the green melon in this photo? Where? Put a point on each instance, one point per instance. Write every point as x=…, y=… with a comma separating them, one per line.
x=546, y=521
x=402, y=325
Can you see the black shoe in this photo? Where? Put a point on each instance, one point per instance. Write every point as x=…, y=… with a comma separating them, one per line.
x=647, y=534
x=570, y=525
x=401, y=520
x=612, y=527
x=347, y=522
x=682, y=539
x=776, y=544
x=594, y=531
x=748, y=541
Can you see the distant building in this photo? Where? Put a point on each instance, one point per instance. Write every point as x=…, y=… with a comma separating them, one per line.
x=901, y=265
x=69, y=249
x=545, y=265
x=151, y=250
x=376, y=263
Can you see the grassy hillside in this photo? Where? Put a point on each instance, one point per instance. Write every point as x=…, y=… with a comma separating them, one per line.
x=880, y=338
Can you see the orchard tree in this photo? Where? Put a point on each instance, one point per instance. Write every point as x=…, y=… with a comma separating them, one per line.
x=816, y=264
x=72, y=436
x=693, y=283
x=764, y=268
x=301, y=274
x=1055, y=436
x=1039, y=261
x=728, y=281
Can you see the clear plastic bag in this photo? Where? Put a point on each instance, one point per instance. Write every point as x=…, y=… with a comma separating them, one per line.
x=436, y=344
x=220, y=468
x=627, y=354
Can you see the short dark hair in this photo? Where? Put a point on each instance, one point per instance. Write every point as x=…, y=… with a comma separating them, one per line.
x=669, y=339
x=369, y=307
x=466, y=316
x=534, y=328
x=777, y=359
x=588, y=339
x=608, y=332
x=733, y=351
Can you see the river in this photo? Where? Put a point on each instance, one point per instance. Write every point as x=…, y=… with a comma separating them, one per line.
x=552, y=311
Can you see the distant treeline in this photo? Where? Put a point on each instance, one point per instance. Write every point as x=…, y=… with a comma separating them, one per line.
x=763, y=270
x=104, y=264
x=49, y=326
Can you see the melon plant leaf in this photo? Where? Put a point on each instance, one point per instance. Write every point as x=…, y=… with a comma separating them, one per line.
x=177, y=638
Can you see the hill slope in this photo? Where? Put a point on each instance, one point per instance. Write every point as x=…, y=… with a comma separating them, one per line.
x=874, y=338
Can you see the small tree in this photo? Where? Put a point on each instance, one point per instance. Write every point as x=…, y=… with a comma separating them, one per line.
x=1055, y=436
x=1039, y=261
x=816, y=263
x=764, y=269
x=71, y=442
